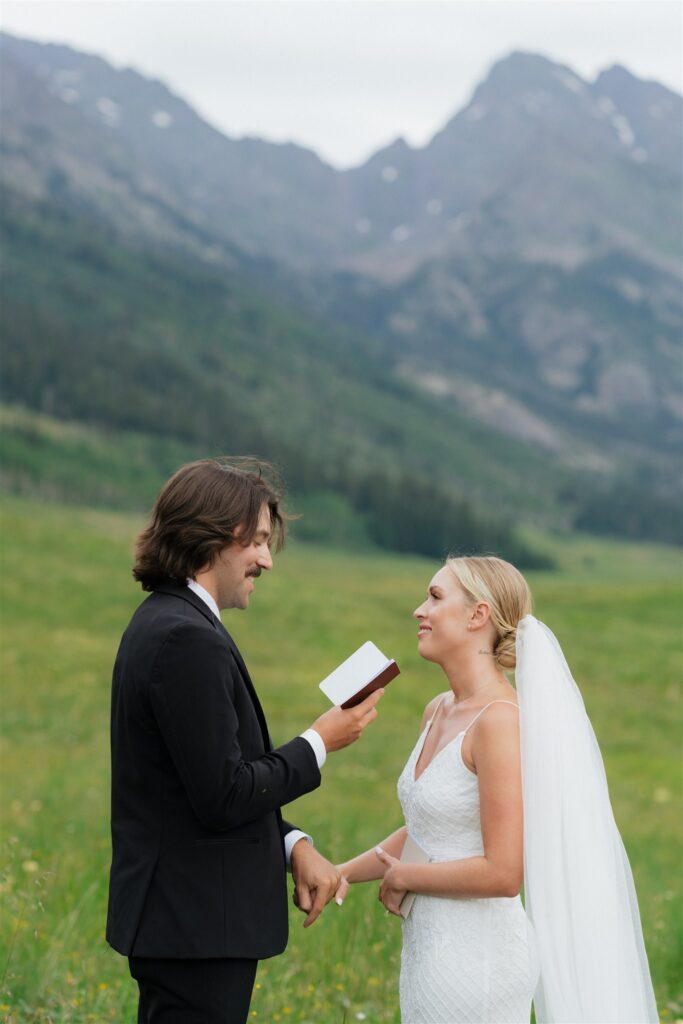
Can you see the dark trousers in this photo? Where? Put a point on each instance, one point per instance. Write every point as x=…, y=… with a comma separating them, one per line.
x=193, y=991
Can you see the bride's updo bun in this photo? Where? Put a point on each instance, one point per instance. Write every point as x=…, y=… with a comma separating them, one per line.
x=505, y=651
x=485, y=578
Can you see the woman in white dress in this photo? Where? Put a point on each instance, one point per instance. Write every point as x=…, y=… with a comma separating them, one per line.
x=494, y=806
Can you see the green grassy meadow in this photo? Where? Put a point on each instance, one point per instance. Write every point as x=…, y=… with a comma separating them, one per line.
x=67, y=595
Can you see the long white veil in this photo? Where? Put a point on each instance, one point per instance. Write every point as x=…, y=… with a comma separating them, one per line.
x=578, y=885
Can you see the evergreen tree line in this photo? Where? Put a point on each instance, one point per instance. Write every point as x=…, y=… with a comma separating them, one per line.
x=118, y=386
x=628, y=507
x=131, y=341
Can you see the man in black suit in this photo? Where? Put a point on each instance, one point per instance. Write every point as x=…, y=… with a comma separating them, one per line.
x=197, y=889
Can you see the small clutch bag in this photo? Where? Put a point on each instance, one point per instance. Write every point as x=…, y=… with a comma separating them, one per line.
x=412, y=854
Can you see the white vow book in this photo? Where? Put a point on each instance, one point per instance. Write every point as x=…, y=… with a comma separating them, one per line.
x=360, y=675
x=412, y=854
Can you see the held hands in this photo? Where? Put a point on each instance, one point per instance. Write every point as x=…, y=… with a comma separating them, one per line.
x=392, y=890
x=343, y=890
x=338, y=728
x=316, y=881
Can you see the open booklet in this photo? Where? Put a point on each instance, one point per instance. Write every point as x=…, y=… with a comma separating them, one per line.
x=360, y=675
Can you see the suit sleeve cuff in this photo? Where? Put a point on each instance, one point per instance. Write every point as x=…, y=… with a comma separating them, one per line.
x=290, y=839
x=316, y=741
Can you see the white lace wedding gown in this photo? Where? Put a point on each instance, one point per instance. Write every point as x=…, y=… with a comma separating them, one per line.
x=463, y=960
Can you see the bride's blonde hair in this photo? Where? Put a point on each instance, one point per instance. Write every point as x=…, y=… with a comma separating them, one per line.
x=485, y=578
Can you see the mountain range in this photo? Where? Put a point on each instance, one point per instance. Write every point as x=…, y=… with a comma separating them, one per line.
x=512, y=290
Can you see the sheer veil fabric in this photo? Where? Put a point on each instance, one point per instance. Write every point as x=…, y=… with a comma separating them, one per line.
x=579, y=891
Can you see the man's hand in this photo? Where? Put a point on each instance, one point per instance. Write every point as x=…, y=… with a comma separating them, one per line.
x=339, y=728
x=315, y=880
x=392, y=890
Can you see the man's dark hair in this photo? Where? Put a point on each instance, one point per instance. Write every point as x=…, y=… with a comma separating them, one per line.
x=196, y=515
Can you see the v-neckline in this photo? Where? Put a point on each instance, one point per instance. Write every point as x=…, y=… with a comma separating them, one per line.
x=416, y=778
x=427, y=729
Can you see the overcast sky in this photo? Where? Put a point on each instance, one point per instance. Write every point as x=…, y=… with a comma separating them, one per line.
x=347, y=77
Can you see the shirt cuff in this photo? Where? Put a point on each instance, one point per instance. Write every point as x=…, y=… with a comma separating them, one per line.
x=316, y=741
x=290, y=839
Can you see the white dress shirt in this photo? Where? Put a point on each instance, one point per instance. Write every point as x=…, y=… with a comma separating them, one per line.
x=310, y=735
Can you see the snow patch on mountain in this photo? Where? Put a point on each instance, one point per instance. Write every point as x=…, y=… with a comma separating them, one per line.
x=476, y=112
x=109, y=111
x=401, y=233
x=570, y=81
x=162, y=119
x=623, y=130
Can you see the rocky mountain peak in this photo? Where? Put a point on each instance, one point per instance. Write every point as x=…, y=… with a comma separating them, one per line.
x=531, y=250
x=519, y=76
x=647, y=116
x=521, y=70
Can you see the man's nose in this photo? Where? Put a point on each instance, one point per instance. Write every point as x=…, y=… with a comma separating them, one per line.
x=265, y=559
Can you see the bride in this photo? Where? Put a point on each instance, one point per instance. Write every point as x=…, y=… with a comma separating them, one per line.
x=506, y=786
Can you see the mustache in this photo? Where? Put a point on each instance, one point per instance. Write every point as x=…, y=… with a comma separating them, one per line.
x=256, y=572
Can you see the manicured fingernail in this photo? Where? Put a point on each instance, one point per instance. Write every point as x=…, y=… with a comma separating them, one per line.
x=339, y=902
x=378, y=849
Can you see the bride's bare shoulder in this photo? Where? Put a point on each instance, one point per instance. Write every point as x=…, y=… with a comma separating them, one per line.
x=431, y=708
x=495, y=734
x=497, y=723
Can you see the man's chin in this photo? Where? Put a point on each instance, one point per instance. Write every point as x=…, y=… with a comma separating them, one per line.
x=241, y=597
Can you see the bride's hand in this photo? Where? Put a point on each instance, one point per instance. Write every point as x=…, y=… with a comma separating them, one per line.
x=391, y=891
x=344, y=886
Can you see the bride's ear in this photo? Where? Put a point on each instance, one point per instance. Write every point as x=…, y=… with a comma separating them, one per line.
x=479, y=615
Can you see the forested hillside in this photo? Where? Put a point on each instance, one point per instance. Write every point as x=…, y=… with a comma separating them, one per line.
x=138, y=343
x=433, y=347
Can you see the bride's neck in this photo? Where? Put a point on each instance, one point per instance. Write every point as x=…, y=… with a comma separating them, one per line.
x=470, y=672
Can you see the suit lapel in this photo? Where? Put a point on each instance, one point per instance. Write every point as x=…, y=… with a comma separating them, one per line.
x=177, y=590
x=248, y=683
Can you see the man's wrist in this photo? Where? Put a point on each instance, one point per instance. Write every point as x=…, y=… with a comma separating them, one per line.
x=317, y=743
x=291, y=839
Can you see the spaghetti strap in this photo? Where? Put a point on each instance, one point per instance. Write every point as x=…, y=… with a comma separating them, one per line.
x=436, y=711
x=499, y=701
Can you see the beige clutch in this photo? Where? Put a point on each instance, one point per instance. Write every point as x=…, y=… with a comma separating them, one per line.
x=412, y=854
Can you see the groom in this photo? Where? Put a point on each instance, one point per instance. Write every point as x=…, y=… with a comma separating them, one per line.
x=197, y=890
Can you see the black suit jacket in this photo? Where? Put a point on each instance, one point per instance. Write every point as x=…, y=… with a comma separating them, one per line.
x=198, y=864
